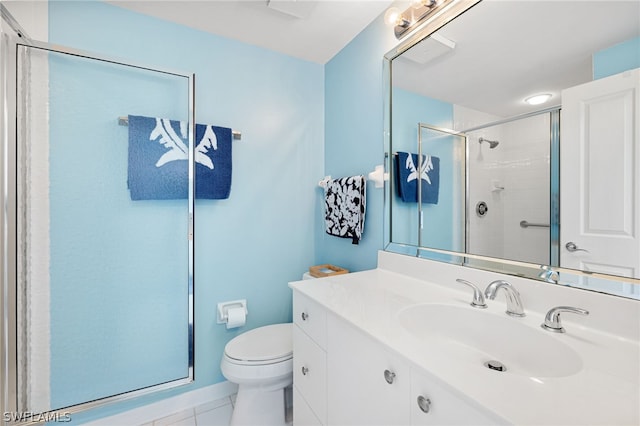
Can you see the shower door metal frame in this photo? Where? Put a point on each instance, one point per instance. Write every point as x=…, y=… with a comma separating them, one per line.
x=8, y=190
x=464, y=180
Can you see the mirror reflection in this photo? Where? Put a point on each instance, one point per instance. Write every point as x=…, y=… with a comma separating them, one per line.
x=530, y=110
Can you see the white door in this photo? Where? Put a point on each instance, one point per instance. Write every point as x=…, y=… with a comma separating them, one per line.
x=599, y=177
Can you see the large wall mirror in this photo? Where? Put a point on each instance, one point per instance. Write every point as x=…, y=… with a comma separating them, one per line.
x=547, y=188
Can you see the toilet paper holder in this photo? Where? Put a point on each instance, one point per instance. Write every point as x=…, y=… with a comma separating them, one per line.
x=223, y=309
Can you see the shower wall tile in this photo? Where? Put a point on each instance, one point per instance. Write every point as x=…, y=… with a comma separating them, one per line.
x=520, y=163
x=529, y=178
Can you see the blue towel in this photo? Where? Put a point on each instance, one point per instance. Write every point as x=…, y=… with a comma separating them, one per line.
x=158, y=160
x=407, y=177
x=345, y=207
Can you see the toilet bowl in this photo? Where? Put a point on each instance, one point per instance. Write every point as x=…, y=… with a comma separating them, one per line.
x=260, y=361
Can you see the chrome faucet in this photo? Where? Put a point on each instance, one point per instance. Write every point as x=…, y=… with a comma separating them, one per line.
x=514, y=302
x=548, y=274
x=552, y=319
x=478, y=297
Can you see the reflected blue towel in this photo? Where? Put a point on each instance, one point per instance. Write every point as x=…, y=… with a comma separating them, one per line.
x=407, y=177
x=158, y=159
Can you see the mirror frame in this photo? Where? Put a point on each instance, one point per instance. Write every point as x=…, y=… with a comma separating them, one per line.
x=450, y=10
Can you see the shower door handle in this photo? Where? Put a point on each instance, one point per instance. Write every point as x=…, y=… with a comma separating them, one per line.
x=572, y=247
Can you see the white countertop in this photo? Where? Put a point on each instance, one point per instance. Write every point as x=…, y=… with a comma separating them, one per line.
x=605, y=391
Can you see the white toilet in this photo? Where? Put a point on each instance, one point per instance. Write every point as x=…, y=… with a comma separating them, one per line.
x=260, y=361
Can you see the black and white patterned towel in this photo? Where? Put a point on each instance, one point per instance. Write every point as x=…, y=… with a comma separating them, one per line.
x=344, y=207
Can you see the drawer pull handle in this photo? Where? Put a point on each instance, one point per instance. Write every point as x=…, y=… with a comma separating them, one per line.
x=305, y=370
x=389, y=376
x=304, y=316
x=424, y=404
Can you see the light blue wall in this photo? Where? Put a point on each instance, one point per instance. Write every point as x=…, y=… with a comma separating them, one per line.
x=111, y=279
x=616, y=59
x=354, y=138
x=252, y=244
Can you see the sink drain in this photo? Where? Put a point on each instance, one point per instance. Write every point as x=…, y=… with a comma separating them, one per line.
x=495, y=365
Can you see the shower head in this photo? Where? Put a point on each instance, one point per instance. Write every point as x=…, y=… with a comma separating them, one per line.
x=492, y=144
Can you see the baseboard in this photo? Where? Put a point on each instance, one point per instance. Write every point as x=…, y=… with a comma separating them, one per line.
x=169, y=406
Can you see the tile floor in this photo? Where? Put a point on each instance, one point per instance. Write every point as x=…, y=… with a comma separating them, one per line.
x=215, y=413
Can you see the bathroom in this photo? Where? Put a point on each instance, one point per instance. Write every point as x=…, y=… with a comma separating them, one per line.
x=300, y=119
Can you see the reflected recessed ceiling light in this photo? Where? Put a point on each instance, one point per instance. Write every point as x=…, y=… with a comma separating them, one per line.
x=538, y=99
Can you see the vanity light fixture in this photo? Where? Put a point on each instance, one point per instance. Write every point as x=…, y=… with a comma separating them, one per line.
x=414, y=15
x=538, y=99
x=393, y=17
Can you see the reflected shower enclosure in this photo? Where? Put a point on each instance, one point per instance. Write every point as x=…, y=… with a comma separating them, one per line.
x=495, y=184
x=510, y=172
x=103, y=285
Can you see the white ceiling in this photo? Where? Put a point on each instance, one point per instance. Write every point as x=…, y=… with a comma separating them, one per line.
x=329, y=26
x=508, y=50
x=505, y=49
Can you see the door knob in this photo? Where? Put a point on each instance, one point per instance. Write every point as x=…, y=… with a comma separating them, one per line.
x=389, y=376
x=424, y=404
x=572, y=247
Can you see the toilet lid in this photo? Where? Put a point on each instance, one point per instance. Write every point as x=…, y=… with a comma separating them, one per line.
x=268, y=343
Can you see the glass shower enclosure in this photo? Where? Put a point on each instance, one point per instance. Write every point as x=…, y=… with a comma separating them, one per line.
x=98, y=285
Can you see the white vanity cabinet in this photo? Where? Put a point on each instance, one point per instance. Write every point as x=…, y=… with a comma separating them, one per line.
x=343, y=376
x=433, y=347
x=366, y=385
x=309, y=362
x=439, y=406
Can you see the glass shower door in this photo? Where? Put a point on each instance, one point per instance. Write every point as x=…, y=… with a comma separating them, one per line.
x=104, y=278
x=442, y=191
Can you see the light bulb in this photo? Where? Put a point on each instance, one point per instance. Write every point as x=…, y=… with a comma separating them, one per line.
x=391, y=16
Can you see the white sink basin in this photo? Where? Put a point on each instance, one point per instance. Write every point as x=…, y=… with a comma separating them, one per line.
x=479, y=336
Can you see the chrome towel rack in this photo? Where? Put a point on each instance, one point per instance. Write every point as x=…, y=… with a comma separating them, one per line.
x=124, y=121
x=525, y=224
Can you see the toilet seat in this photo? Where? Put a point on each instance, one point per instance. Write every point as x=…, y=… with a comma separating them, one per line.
x=260, y=362
x=266, y=345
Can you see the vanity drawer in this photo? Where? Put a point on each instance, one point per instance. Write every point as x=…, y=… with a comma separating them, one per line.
x=310, y=372
x=302, y=413
x=444, y=407
x=310, y=317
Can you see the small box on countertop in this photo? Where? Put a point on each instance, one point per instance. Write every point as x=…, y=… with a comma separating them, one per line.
x=326, y=270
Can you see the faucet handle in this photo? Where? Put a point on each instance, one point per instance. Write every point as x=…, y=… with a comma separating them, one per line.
x=552, y=319
x=478, y=297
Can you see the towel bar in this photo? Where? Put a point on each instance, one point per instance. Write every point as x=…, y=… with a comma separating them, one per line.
x=124, y=121
x=378, y=176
